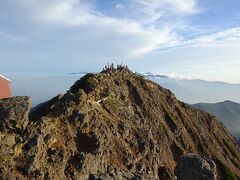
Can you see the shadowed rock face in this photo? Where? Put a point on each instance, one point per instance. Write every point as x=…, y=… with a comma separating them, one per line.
x=194, y=167
x=114, y=125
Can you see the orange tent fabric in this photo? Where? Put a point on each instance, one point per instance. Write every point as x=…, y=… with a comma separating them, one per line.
x=5, y=87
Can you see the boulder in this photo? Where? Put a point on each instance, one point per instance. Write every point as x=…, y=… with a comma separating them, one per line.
x=195, y=167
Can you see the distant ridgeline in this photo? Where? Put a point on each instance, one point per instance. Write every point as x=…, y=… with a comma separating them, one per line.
x=227, y=112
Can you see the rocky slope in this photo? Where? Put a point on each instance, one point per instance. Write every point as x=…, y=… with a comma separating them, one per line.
x=113, y=125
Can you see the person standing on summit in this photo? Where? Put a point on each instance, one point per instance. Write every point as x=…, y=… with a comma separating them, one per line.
x=5, y=87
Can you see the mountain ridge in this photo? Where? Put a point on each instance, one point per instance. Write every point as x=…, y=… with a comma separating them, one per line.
x=117, y=124
x=227, y=111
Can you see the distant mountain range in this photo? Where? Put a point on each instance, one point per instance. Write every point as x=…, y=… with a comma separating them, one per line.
x=196, y=90
x=42, y=87
x=228, y=112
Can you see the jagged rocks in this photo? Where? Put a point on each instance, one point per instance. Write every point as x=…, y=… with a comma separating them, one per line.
x=14, y=113
x=111, y=125
x=13, y=121
x=195, y=167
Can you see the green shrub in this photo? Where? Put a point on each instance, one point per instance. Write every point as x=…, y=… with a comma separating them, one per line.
x=87, y=79
x=84, y=83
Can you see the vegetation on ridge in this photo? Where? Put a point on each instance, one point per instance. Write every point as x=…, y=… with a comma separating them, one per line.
x=85, y=83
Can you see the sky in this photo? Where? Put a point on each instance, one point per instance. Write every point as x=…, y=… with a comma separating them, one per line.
x=187, y=38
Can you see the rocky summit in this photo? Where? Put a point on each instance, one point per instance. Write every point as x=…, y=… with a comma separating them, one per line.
x=114, y=125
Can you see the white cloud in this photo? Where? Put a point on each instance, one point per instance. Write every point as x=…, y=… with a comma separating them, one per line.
x=119, y=6
x=183, y=6
x=175, y=6
x=124, y=37
x=78, y=33
x=178, y=76
x=173, y=75
x=158, y=13
x=12, y=37
x=211, y=57
x=62, y=12
x=227, y=38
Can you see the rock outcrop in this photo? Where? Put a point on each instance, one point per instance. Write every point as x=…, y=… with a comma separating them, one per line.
x=14, y=114
x=13, y=121
x=114, y=125
x=191, y=166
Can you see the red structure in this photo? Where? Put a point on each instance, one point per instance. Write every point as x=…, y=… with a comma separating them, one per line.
x=5, y=87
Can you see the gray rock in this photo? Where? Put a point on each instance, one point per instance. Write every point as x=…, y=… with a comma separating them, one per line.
x=14, y=113
x=193, y=167
x=118, y=175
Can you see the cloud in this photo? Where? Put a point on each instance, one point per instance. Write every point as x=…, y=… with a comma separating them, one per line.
x=65, y=12
x=227, y=38
x=93, y=30
x=183, y=6
x=173, y=75
x=178, y=76
x=119, y=6
x=12, y=37
x=214, y=56
x=156, y=9
x=121, y=36
x=72, y=34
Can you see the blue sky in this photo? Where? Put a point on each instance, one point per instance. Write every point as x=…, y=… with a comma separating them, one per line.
x=187, y=38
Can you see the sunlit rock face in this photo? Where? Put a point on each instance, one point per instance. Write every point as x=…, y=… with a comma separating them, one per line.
x=111, y=125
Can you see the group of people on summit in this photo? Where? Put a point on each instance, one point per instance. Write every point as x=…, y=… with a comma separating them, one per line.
x=110, y=67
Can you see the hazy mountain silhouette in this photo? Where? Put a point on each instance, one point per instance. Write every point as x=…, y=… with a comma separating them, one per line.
x=228, y=112
x=196, y=90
